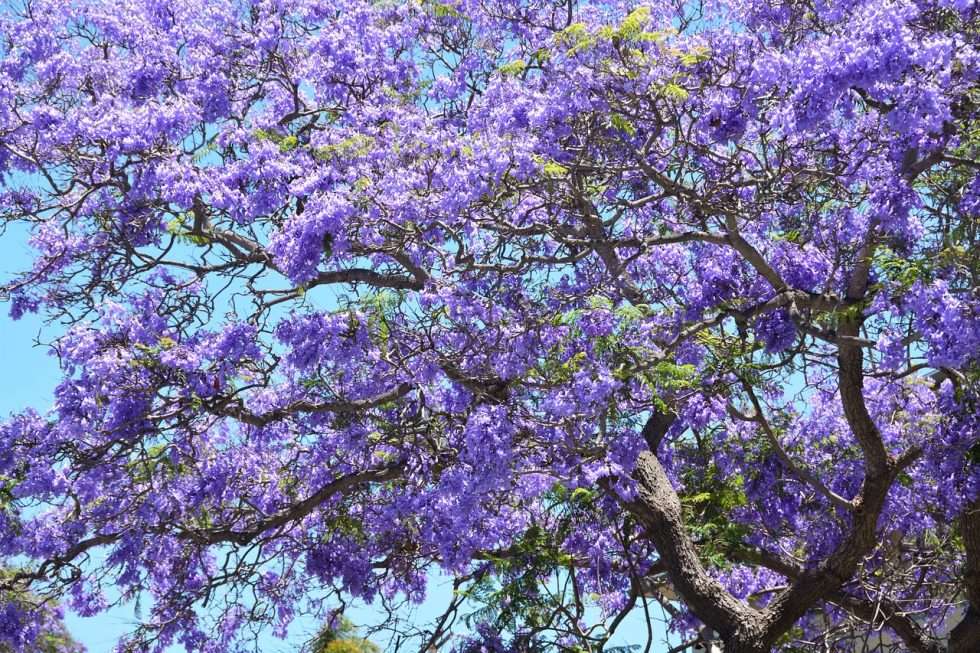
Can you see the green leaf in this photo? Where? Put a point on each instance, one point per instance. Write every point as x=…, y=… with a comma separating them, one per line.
x=599, y=301
x=353, y=146
x=623, y=124
x=694, y=56
x=176, y=226
x=554, y=169
x=700, y=497
x=287, y=144
x=513, y=69
x=632, y=26
x=573, y=33
x=675, y=92
x=583, y=495
x=444, y=10
x=577, y=37
x=658, y=36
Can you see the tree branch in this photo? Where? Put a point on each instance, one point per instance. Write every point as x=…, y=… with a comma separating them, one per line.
x=658, y=507
x=966, y=635
x=238, y=411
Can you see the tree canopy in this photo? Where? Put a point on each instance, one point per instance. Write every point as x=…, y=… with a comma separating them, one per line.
x=28, y=622
x=589, y=305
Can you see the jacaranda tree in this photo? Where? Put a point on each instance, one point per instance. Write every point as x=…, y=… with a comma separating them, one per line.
x=588, y=305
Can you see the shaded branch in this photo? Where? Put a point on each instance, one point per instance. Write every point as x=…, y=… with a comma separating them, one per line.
x=238, y=411
x=966, y=635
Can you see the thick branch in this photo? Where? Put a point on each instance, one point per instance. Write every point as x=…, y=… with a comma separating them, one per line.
x=966, y=636
x=370, y=277
x=850, y=361
x=752, y=255
x=295, y=512
x=658, y=507
x=239, y=412
x=911, y=633
x=606, y=251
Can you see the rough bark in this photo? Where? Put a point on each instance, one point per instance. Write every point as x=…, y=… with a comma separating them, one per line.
x=658, y=507
x=915, y=638
x=965, y=637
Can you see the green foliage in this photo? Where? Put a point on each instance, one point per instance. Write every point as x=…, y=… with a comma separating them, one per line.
x=632, y=26
x=692, y=57
x=554, y=169
x=288, y=143
x=708, y=505
x=443, y=10
x=513, y=69
x=379, y=309
x=576, y=37
x=347, y=526
x=266, y=135
x=673, y=91
x=177, y=226
x=342, y=639
x=201, y=155
x=623, y=124
x=674, y=377
x=348, y=148
x=7, y=485
x=512, y=598
x=901, y=270
x=154, y=462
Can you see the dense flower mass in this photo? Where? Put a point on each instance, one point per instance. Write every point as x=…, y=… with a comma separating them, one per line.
x=587, y=304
